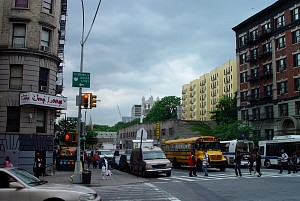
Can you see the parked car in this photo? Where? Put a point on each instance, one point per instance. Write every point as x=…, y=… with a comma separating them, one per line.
x=124, y=164
x=18, y=184
x=116, y=162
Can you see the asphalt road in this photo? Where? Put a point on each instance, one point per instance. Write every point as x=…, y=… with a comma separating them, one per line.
x=223, y=186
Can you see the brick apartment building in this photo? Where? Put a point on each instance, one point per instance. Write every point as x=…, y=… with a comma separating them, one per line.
x=268, y=64
x=32, y=35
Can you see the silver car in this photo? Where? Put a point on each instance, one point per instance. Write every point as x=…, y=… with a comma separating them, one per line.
x=19, y=185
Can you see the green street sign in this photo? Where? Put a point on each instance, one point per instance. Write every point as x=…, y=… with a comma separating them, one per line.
x=81, y=79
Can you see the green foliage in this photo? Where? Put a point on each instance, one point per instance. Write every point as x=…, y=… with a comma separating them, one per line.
x=91, y=137
x=226, y=110
x=202, y=128
x=164, y=109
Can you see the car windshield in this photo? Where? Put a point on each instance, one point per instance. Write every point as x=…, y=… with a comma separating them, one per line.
x=26, y=177
x=106, y=153
x=153, y=155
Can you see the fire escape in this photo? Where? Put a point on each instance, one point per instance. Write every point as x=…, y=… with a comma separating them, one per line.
x=61, y=46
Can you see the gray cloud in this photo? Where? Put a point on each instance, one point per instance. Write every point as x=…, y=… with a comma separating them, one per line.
x=148, y=47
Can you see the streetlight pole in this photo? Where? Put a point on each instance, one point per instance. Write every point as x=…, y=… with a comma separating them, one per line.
x=77, y=174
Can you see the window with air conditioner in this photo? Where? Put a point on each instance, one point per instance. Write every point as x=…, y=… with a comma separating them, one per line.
x=43, y=79
x=45, y=40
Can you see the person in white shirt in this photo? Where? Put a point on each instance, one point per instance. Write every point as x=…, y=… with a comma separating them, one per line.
x=205, y=163
x=284, y=162
x=104, y=168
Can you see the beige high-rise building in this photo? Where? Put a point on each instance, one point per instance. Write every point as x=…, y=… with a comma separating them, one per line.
x=201, y=96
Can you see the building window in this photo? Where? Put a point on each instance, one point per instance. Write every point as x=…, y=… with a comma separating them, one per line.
x=297, y=106
x=280, y=22
x=269, y=112
x=45, y=39
x=267, y=48
x=243, y=40
x=13, y=119
x=19, y=33
x=47, y=6
x=268, y=91
x=267, y=68
x=245, y=116
x=297, y=84
x=283, y=110
x=281, y=42
x=282, y=87
x=256, y=113
x=244, y=77
x=43, y=79
x=296, y=36
x=255, y=94
x=41, y=121
x=269, y=134
x=281, y=64
x=21, y=3
x=254, y=73
x=254, y=35
x=16, y=77
x=266, y=28
x=297, y=60
x=254, y=54
x=244, y=96
x=243, y=58
x=295, y=14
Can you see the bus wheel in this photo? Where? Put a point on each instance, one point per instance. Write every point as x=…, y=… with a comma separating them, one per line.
x=268, y=164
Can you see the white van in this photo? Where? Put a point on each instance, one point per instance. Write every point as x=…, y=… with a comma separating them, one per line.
x=149, y=160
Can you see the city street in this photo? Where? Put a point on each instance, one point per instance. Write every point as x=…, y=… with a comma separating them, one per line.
x=217, y=186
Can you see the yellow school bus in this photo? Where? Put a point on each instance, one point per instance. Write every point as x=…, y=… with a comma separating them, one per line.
x=178, y=151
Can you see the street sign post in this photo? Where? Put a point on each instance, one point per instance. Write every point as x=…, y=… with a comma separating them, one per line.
x=81, y=79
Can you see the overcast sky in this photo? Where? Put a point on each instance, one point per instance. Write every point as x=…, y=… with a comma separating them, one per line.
x=148, y=47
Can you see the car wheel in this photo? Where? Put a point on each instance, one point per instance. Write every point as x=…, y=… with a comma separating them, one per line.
x=168, y=174
x=54, y=199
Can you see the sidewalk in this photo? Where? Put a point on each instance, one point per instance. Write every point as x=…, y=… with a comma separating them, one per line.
x=117, y=178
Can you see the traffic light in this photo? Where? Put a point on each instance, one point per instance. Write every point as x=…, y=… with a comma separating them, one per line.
x=86, y=100
x=70, y=137
x=93, y=100
x=67, y=137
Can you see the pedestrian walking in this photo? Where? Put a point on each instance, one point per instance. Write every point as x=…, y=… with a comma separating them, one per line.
x=7, y=162
x=38, y=165
x=192, y=164
x=237, y=167
x=258, y=164
x=95, y=160
x=205, y=162
x=89, y=160
x=284, y=162
x=295, y=161
x=104, y=168
x=251, y=162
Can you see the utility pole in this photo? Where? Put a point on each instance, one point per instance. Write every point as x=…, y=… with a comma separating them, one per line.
x=78, y=167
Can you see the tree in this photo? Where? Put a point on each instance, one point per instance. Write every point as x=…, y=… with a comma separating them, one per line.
x=226, y=110
x=164, y=109
x=91, y=137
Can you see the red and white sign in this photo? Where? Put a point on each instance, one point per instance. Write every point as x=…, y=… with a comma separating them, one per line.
x=32, y=98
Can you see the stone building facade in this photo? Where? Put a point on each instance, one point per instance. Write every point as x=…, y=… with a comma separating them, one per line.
x=32, y=35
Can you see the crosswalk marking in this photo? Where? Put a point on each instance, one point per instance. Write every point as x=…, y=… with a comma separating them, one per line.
x=223, y=176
